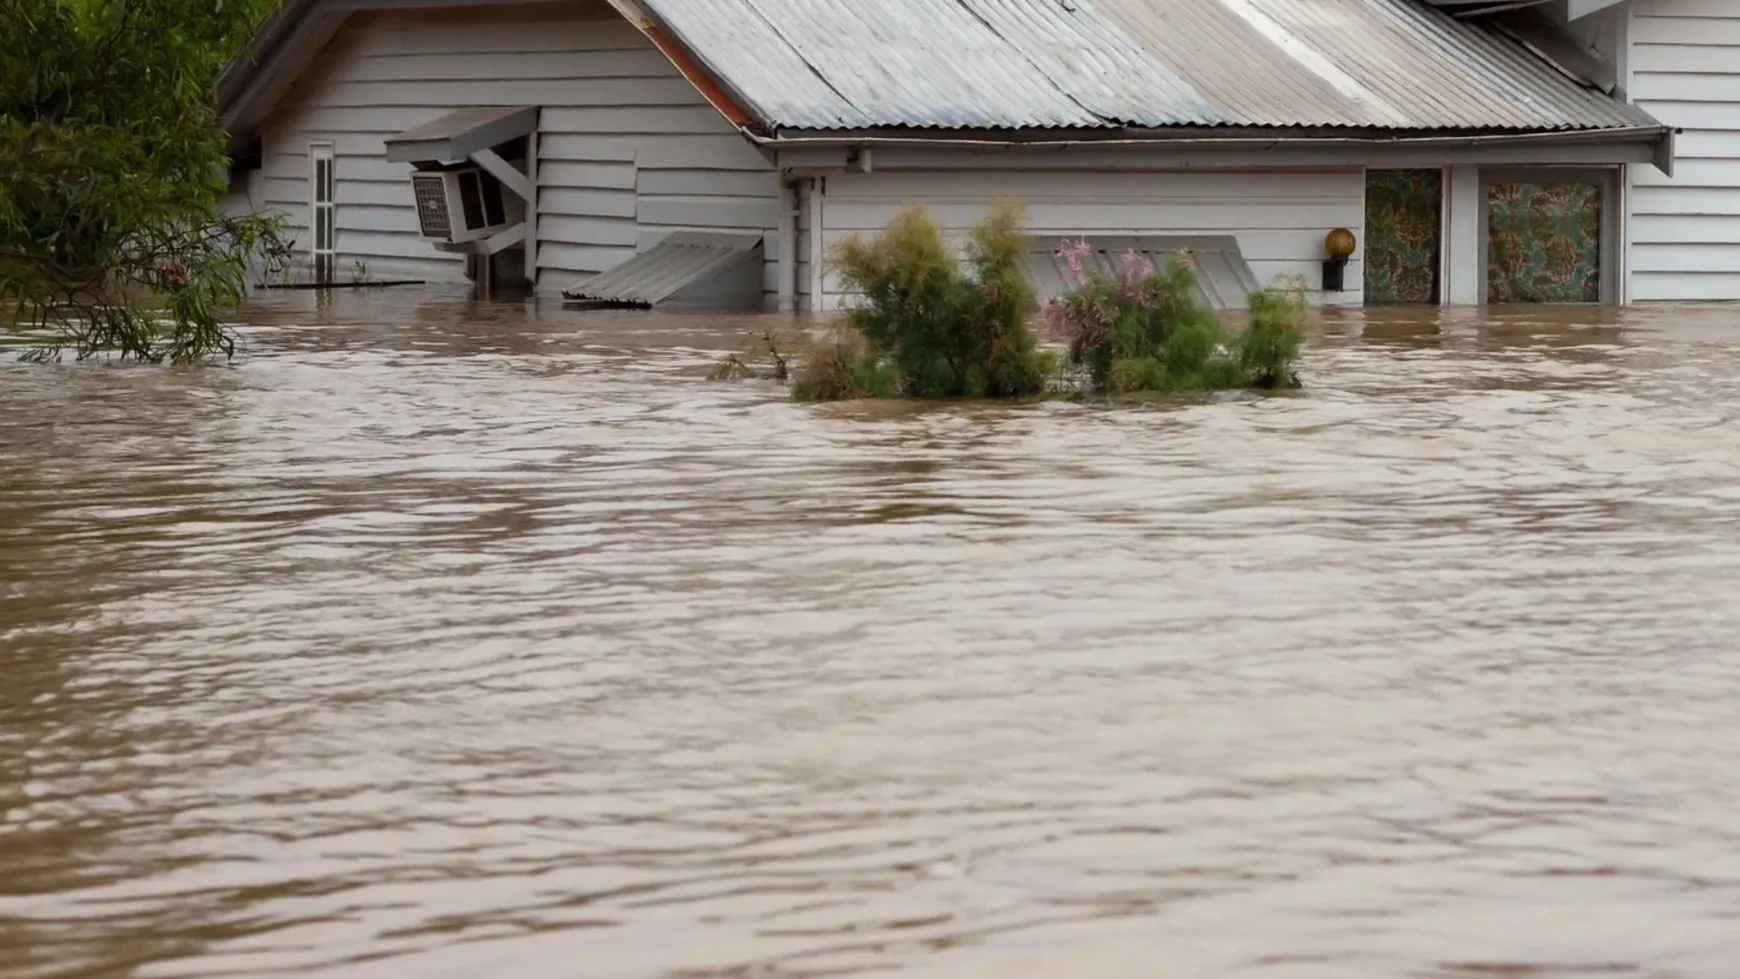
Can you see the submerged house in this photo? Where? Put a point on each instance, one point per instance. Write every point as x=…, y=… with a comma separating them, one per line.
x=710, y=152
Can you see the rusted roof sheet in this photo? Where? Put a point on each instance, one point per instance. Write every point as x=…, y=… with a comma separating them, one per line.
x=1118, y=64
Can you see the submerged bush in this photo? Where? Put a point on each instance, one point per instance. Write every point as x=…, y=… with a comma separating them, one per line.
x=768, y=346
x=1145, y=329
x=1270, y=345
x=842, y=370
x=932, y=326
x=929, y=326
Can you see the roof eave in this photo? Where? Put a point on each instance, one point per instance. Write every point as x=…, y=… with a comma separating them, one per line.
x=1651, y=144
x=250, y=74
x=1577, y=9
x=1201, y=135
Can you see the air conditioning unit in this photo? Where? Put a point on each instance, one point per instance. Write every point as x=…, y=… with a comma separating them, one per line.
x=463, y=204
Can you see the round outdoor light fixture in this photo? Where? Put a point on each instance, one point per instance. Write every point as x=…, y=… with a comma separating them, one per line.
x=1340, y=243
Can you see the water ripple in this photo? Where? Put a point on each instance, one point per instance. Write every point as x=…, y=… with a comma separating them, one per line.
x=440, y=639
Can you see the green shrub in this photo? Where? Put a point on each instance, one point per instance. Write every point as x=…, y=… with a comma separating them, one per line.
x=1135, y=374
x=1189, y=348
x=1145, y=329
x=843, y=370
x=1270, y=345
x=930, y=326
x=937, y=327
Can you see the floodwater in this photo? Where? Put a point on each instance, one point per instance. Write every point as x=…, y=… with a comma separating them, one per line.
x=441, y=640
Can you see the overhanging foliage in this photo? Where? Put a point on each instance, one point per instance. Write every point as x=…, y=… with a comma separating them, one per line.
x=110, y=234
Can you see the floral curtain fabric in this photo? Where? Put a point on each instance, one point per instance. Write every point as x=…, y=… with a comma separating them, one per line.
x=1544, y=243
x=1403, y=216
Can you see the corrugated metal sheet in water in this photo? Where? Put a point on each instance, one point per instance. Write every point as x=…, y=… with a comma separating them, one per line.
x=681, y=260
x=1024, y=64
x=1224, y=279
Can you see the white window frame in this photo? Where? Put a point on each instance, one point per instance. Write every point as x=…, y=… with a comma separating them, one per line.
x=322, y=211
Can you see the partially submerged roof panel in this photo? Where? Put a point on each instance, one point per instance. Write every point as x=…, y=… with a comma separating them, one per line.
x=687, y=269
x=1120, y=64
x=1224, y=279
x=457, y=135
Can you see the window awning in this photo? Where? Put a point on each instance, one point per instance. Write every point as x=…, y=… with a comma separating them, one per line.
x=456, y=136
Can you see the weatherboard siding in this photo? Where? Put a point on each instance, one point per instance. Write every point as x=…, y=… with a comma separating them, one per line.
x=628, y=150
x=243, y=198
x=1685, y=230
x=1279, y=218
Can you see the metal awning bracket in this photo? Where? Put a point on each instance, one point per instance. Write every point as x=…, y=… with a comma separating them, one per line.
x=499, y=241
x=504, y=171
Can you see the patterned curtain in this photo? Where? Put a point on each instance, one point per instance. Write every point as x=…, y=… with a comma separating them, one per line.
x=1544, y=243
x=1403, y=210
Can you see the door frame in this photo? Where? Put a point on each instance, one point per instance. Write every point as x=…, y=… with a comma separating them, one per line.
x=1606, y=178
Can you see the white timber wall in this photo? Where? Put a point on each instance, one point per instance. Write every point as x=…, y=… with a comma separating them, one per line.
x=1685, y=70
x=629, y=150
x=1608, y=31
x=243, y=197
x=1279, y=218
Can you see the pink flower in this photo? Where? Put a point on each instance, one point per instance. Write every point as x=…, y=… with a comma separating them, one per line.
x=1137, y=271
x=1073, y=255
x=1137, y=266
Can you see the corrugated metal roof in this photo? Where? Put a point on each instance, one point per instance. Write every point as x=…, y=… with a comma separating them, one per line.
x=1112, y=64
x=683, y=260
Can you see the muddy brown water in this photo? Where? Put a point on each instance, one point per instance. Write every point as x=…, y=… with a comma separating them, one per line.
x=445, y=640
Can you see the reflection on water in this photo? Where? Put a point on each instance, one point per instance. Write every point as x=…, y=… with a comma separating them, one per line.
x=446, y=640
